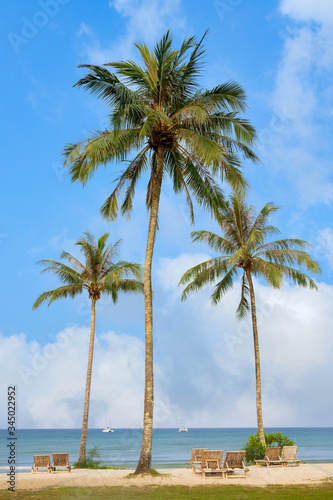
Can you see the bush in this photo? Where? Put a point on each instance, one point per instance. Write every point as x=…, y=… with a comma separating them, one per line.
x=256, y=451
x=91, y=462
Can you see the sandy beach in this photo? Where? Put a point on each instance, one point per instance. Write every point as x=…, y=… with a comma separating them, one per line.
x=257, y=476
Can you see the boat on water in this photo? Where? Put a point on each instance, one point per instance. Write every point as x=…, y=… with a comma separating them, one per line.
x=183, y=429
x=108, y=428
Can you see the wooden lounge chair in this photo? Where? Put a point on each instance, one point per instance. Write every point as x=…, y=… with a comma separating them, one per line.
x=211, y=462
x=234, y=460
x=272, y=457
x=60, y=460
x=196, y=457
x=41, y=462
x=288, y=456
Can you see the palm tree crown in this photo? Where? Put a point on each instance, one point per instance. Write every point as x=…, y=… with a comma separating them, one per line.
x=98, y=275
x=159, y=106
x=245, y=249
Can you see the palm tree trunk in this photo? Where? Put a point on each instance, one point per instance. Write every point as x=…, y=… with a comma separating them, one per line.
x=144, y=463
x=257, y=361
x=82, y=453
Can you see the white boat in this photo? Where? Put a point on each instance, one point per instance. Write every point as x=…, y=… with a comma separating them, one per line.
x=183, y=429
x=107, y=428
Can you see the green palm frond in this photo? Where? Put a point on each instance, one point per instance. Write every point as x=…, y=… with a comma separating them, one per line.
x=66, y=274
x=244, y=305
x=269, y=271
x=201, y=184
x=59, y=293
x=110, y=253
x=202, y=274
x=225, y=97
x=216, y=242
x=297, y=277
x=121, y=270
x=224, y=285
x=130, y=286
x=77, y=266
x=106, y=86
x=101, y=148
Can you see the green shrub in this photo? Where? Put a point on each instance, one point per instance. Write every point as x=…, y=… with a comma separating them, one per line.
x=91, y=462
x=256, y=451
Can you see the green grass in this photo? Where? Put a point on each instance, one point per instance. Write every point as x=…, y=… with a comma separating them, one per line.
x=230, y=492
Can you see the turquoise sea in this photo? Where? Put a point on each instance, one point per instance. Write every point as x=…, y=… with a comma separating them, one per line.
x=170, y=447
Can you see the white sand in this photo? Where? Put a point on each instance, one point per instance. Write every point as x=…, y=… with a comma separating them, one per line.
x=257, y=476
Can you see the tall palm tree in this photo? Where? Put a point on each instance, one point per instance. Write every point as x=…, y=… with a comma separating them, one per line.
x=99, y=275
x=244, y=249
x=165, y=125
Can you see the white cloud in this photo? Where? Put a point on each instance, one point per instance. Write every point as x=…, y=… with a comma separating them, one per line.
x=204, y=362
x=320, y=11
x=170, y=271
x=146, y=21
x=303, y=99
x=51, y=379
x=325, y=244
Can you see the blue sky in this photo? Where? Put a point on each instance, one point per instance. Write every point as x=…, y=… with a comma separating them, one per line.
x=281, y=52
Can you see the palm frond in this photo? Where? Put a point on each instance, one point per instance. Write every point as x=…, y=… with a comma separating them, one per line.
x=58, y=293
x=66, y=274
x=244, y=305
x=216, y=242
x=202, y=274
x=224, y=285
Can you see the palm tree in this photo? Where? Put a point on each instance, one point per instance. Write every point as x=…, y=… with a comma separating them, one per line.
x=244, y=249
x=99, y=275
x=164, y=124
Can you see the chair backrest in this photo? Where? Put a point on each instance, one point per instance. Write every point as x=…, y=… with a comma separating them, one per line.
x=234, y=459
x=273, y=452
x=42, y=460
x=60, y=459
x=289, y=453
x=197, y=454
x=211, y=459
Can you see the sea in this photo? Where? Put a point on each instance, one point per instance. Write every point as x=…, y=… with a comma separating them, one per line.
x=171, y=449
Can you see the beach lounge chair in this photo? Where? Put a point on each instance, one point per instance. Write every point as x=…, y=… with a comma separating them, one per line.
x=288, y=456
x=211, y=462
x=234, y=460
x=272, y=457
x=196, y=457
x=41, y=462
x=60, y=460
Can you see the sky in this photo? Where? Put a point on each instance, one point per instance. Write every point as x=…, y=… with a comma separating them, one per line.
x=281, y=52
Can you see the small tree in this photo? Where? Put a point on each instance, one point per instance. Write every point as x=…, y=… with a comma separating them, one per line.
x=255, y=450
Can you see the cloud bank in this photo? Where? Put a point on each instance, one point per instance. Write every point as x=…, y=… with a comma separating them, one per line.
x=302, y=101
x=204, y=363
